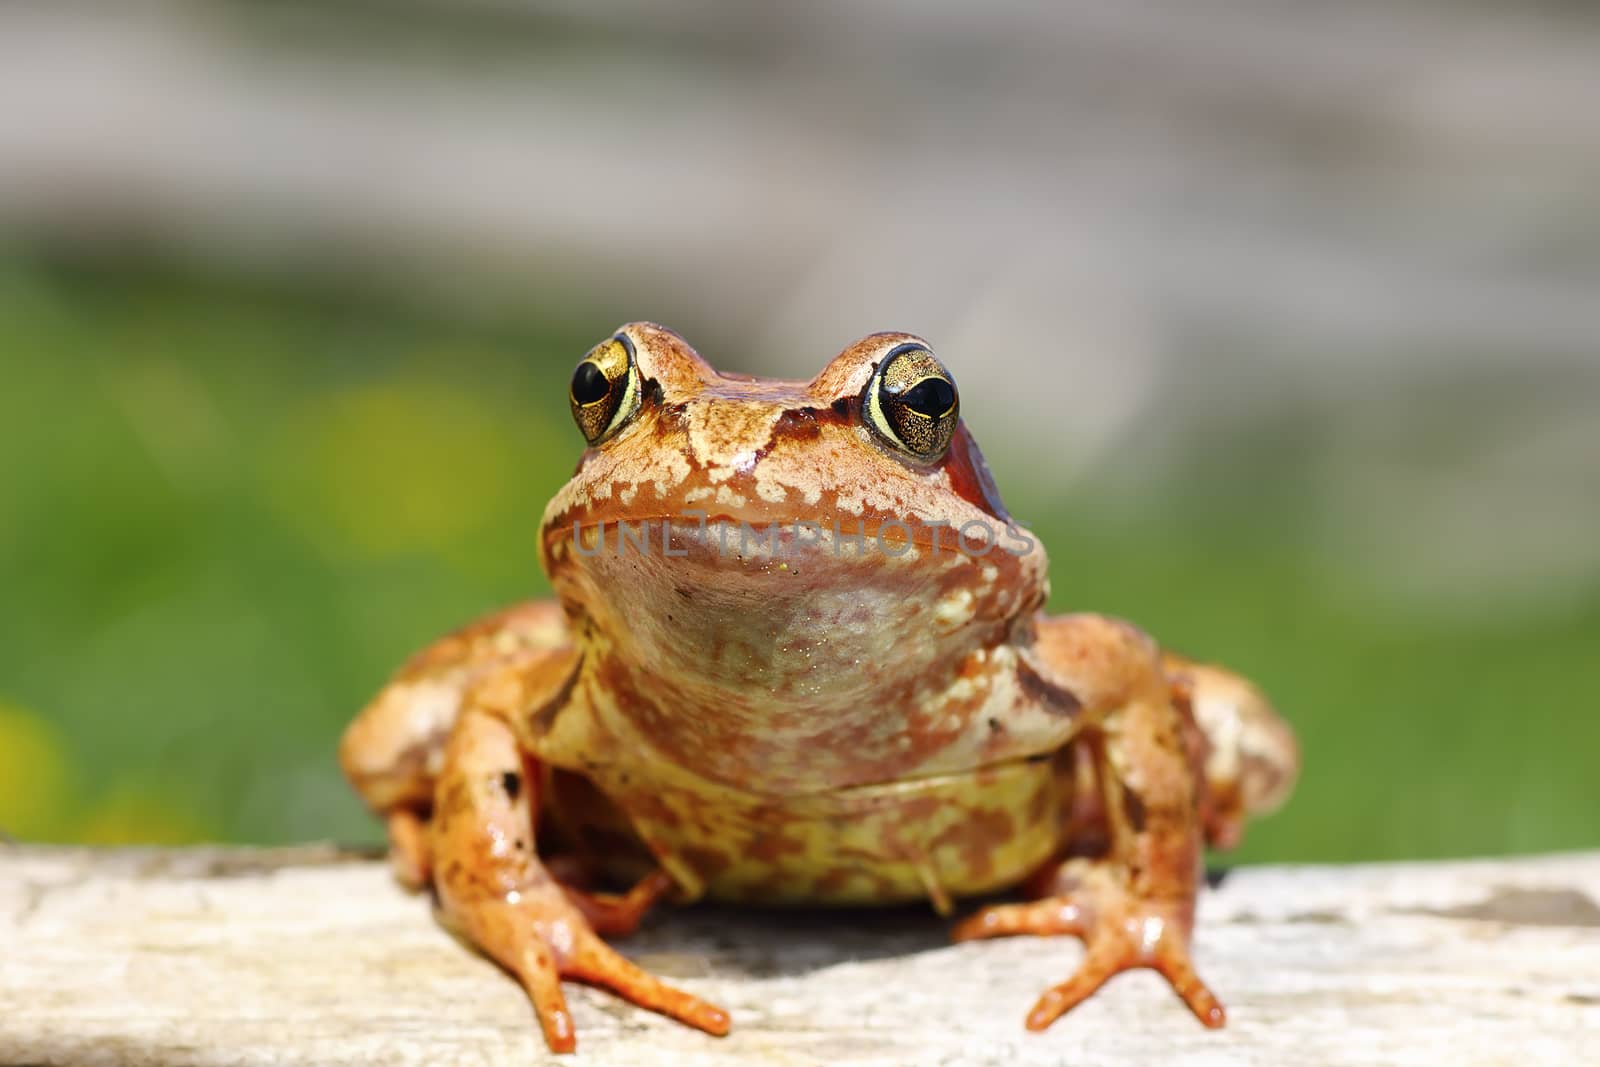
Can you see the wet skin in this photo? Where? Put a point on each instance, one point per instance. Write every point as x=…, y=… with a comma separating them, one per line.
x=797, y=654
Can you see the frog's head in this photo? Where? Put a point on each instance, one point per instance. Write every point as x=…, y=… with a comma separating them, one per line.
x=851, y=513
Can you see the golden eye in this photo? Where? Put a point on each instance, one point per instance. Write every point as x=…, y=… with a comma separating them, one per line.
x=911, y=402
x=605, y=389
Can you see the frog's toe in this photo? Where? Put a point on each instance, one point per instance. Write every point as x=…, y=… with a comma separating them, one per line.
x=597, y=963
x=1041, y=918
x=1139, y=943
x=616, y=915
x=1120, y=931
x=539, y=974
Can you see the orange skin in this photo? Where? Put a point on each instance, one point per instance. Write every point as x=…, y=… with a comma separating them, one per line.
x=873, y=710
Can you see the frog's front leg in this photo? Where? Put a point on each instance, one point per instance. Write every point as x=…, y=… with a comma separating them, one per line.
x=1133, y=906
x=493, y=888
x=392, y=751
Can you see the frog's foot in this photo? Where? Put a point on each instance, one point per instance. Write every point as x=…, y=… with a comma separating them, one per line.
x=1120, y=931
x=541, y=937
x=493, y=889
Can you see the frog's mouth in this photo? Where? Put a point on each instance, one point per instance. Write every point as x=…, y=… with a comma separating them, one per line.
x=800, y=621
x=767, y=538
x=647, y=563
x=729, y=574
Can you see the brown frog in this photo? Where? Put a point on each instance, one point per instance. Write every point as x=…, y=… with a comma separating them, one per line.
x=797, y=654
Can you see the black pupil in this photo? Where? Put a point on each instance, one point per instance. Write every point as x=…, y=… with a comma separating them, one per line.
x=589, y=383
x=931, y=397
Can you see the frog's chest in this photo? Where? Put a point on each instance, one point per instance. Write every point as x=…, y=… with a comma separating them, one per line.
x=937, y=837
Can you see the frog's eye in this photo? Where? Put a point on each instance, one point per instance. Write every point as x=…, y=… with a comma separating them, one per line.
x=911, y=403
x=605, y=389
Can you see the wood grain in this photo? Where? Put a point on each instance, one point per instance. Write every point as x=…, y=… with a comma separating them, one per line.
x=312, y=955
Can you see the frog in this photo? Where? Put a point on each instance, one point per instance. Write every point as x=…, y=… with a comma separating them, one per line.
x=797, y=653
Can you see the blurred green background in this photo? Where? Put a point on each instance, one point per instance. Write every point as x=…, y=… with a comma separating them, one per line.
x=229, y=514
x=260, y=441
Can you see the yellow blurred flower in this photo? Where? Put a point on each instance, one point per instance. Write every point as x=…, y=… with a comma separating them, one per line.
x=392, y=469
x=33, y=775
x=132, y=813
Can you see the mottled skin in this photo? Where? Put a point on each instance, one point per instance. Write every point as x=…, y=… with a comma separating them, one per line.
x=813, y=718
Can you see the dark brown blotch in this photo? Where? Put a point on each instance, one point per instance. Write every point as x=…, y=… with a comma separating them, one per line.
x=1056, y=699
x=704, y=861
x=1133, y=808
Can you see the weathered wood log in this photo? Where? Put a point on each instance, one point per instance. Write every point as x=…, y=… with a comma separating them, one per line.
x=313, y=955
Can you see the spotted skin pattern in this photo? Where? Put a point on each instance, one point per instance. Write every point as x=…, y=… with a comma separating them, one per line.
x=788, y=661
